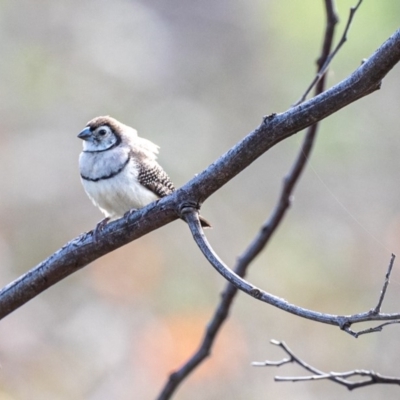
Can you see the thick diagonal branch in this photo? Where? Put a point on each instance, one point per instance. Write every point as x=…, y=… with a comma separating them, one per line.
x=84, y=249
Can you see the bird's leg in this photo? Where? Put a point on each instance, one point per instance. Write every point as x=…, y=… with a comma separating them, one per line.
x=99, y=227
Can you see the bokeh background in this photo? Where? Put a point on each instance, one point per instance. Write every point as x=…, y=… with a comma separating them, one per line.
x=194, y=77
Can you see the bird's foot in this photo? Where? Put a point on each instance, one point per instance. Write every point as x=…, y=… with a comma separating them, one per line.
x=99, y=227
x=130, y=212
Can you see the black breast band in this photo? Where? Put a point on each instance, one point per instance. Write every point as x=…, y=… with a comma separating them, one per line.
x=111, y=175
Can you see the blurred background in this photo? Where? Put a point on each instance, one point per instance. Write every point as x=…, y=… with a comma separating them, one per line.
x=194, y=77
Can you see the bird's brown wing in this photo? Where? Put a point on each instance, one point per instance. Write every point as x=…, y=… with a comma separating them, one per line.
x=154, y=178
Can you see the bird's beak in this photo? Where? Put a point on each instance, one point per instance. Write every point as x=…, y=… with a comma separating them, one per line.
x=85, y=133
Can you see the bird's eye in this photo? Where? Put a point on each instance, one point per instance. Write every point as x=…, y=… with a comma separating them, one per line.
x=102, y=132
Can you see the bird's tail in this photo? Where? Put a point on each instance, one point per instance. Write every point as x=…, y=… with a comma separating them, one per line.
x=204, y=222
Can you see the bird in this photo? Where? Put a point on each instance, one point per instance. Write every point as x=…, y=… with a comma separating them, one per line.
x=119, y=170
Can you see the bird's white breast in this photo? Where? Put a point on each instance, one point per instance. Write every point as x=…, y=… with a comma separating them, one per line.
x=120, y=193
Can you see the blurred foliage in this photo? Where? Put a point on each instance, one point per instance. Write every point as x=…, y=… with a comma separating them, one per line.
x=194, y=77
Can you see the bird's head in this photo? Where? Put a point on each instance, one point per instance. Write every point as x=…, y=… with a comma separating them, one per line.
x=104, y=133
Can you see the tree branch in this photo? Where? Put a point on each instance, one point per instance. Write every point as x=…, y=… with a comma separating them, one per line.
x=342, y=321
x=338, y=377
x=82, y=250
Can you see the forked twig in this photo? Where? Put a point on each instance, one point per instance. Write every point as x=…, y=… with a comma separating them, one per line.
x=375, y=328
x=377, y=309
x=368, y=377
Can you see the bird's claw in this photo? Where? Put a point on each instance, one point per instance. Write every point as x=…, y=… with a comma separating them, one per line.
x=130, y=212
x=99, y=227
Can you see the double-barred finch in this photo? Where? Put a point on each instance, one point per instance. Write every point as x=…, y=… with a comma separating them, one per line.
x=119, y=170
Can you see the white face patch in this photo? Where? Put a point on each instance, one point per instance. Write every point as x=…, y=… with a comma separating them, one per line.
x=102, y=138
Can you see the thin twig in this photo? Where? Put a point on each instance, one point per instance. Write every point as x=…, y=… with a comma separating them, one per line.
x=385, y=285
x=372, y=377
x=375, y=328
x=329, y=59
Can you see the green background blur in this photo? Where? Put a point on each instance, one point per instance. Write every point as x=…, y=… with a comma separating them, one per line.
x=194, y=77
